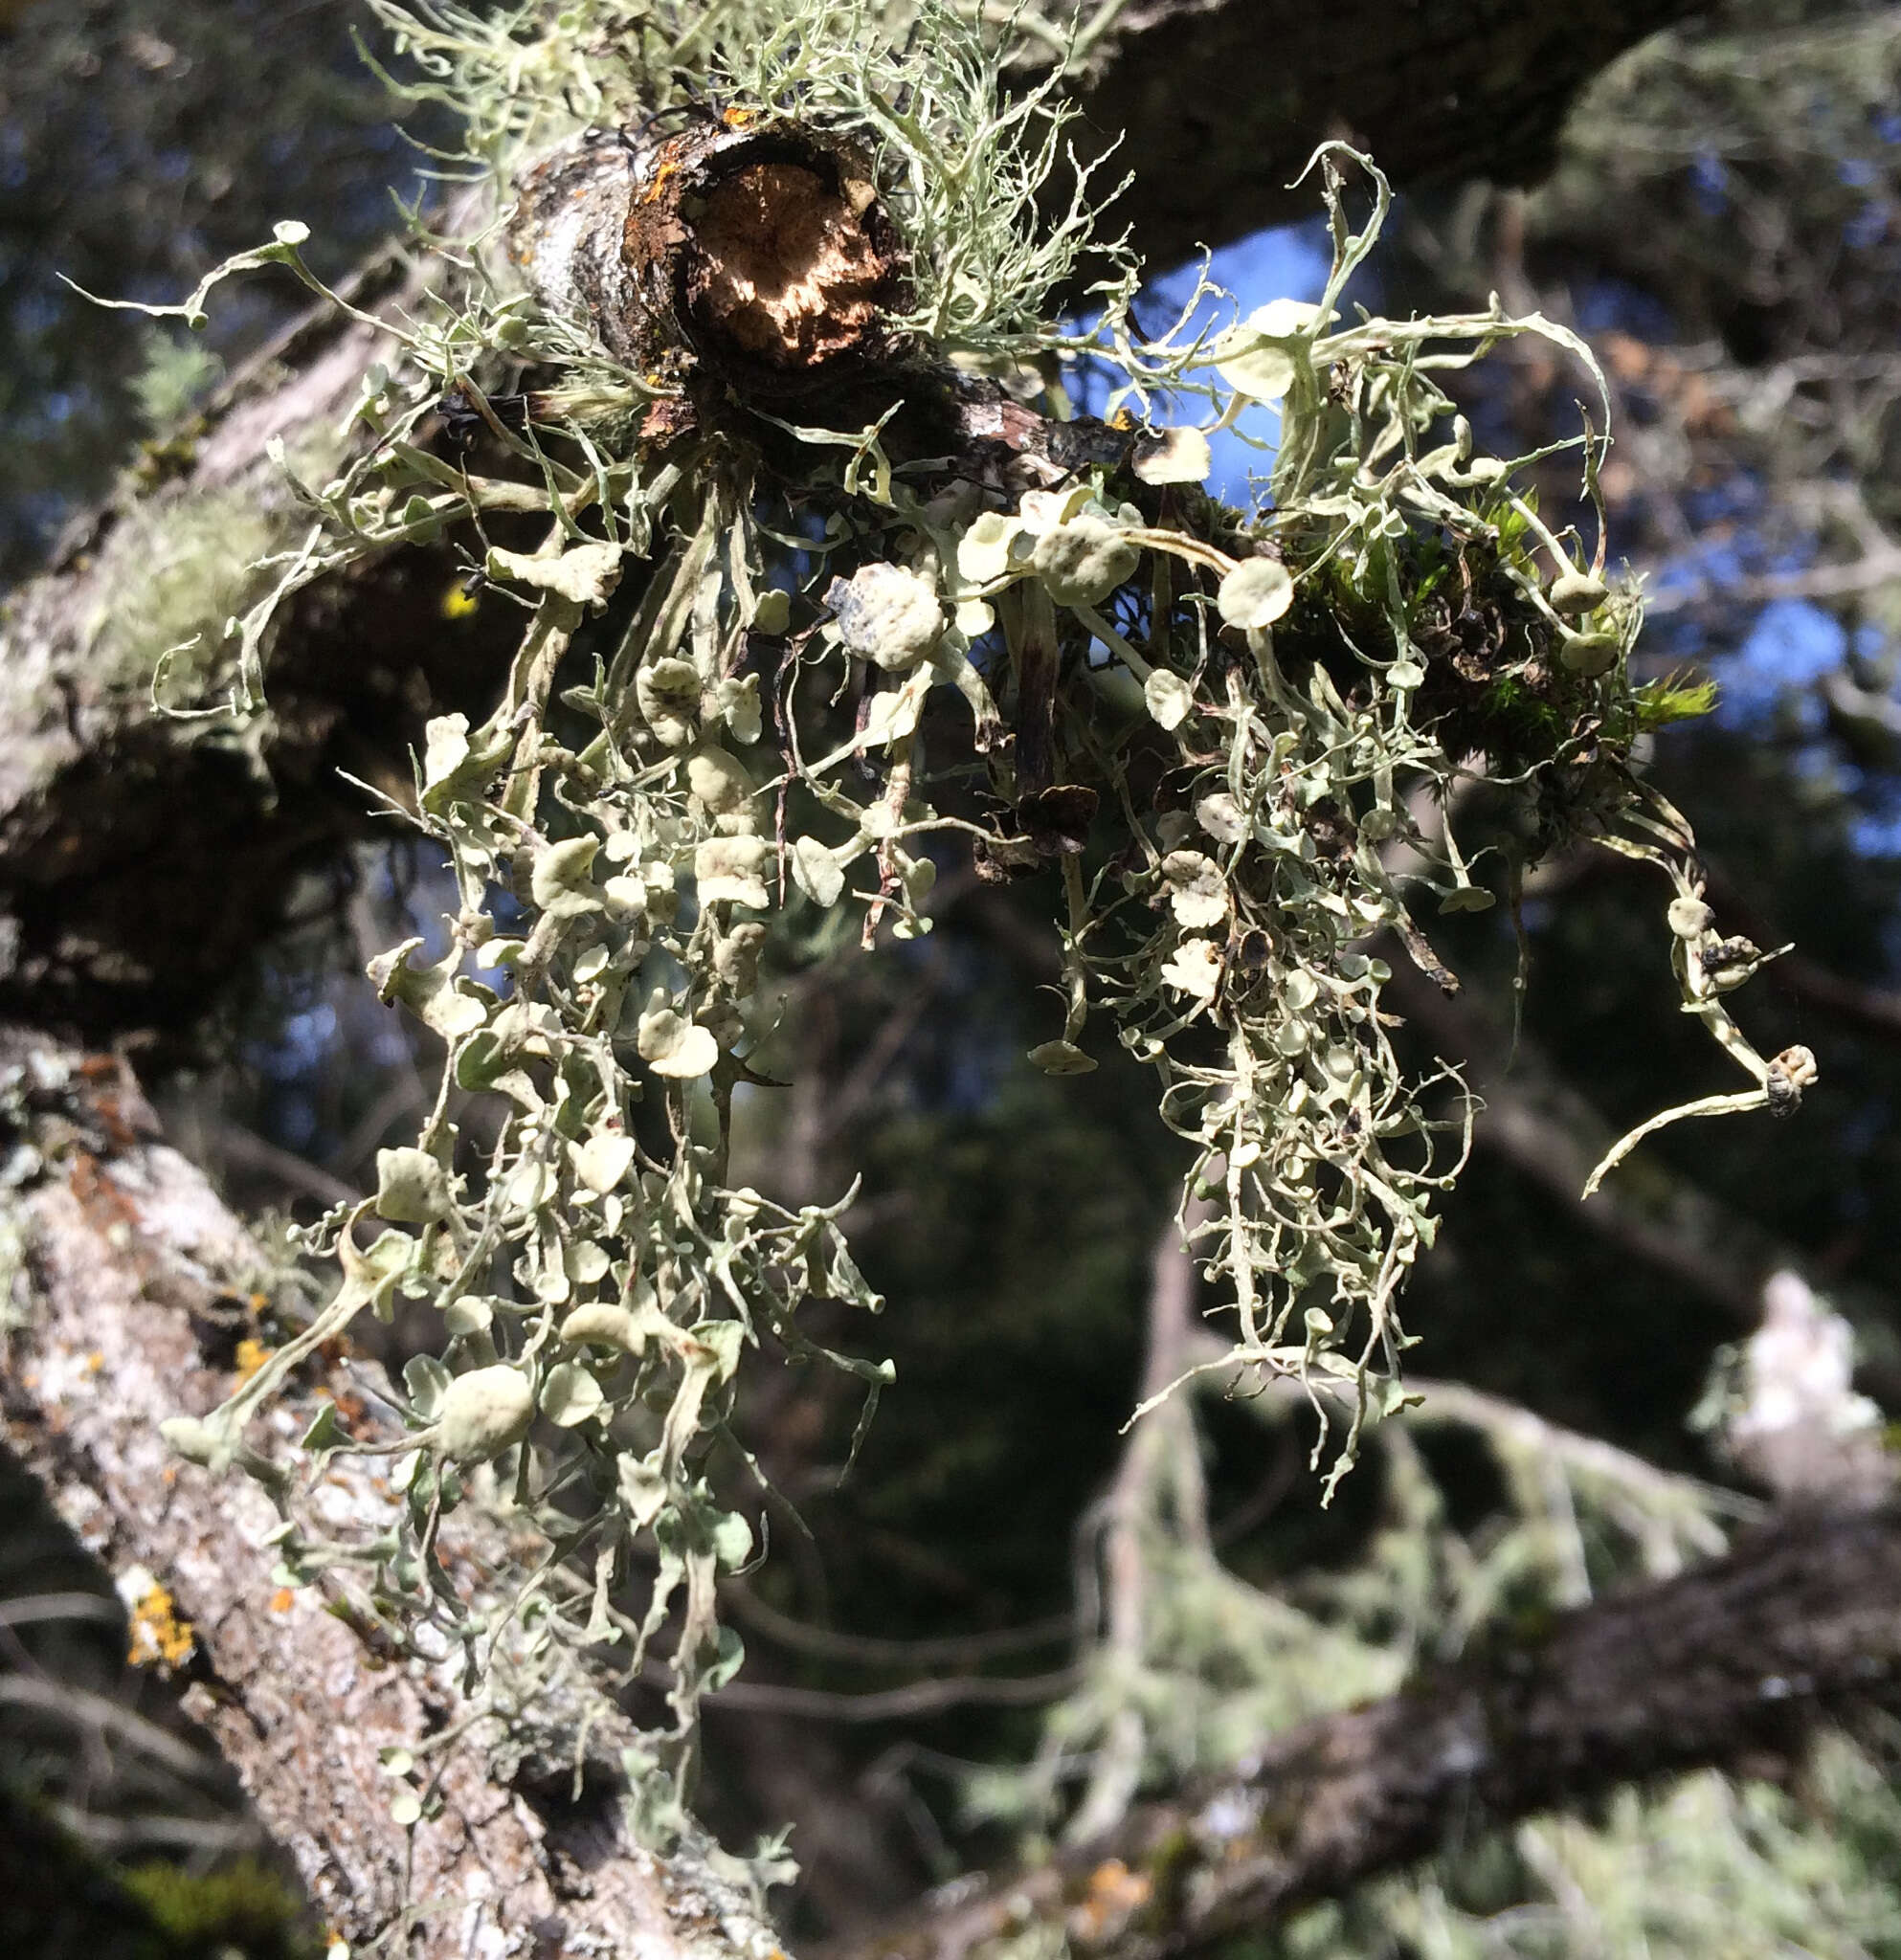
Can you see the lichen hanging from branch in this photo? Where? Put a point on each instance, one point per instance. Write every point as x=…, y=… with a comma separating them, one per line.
x=822, y=577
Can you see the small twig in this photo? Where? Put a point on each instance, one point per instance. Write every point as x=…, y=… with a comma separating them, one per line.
x=893, y=1705
x=864, y=1650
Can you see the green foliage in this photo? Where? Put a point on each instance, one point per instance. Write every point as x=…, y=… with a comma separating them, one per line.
x=240, y=1908
x=1660, y=703
x=175, y=380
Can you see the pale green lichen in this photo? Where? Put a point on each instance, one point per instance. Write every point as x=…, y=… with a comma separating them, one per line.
x=598, y=1278
x=168, y=580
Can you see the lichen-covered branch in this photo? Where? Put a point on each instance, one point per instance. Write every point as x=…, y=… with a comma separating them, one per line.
x=144, y=859
x=107, y=815
x=127, y=1285
x=772, y=469
x=1730, y=1663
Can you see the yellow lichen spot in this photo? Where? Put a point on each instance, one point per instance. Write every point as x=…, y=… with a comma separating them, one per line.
x=95, y=1362
x=251, y=1355
x=1114, y=1894
x=1113, y=1881
x=738, y=119
x=1122, y=419
x=459, y=602
x=157, y=1637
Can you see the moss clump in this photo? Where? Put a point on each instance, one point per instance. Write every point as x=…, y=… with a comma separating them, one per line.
x=244, y=1908
x=169, y=577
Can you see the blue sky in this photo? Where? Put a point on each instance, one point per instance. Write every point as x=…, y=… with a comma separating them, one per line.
x=1287, y=263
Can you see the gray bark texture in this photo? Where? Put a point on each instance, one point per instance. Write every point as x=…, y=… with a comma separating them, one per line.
x=126, y=1275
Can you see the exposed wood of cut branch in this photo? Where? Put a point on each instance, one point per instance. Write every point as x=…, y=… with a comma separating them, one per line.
x=1744, y=1655
x=125, y=1247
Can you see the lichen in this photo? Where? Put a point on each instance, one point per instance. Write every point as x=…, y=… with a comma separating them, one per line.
x=1235, y=823
x=169, y=577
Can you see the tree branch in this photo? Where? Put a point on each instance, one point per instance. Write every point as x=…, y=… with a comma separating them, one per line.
x=127, y=1271
x=1223, y=102
x=144, y=857
x=1801, y=1623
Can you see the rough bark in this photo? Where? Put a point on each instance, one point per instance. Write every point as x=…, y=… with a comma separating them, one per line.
x=127, y=1275
x=1727, y=1665
x=143, y=858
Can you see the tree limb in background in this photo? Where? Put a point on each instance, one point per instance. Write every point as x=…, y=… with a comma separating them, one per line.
x=141, y=858
x=1799, y=1624
x=1444, y=92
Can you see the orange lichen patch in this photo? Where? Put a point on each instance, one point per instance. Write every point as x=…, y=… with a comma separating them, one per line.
x=106, y=1207
x=784, y=271
x=1114, y=1893
x=115, y=1103
x=282, y=1598
x=251, y=1355
x=95, y=1362
x=158, y=1638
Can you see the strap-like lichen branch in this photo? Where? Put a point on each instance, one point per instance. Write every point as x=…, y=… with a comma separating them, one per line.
x=821, y=578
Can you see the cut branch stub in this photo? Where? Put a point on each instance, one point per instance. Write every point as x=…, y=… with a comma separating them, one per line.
x=759, y=254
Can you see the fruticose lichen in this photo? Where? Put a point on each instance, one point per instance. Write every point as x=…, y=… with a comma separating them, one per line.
x=778, y=657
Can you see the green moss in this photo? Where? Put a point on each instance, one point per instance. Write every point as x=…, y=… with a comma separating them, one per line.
x=169, y=578
x=1660, y=702
x=244, y=1906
